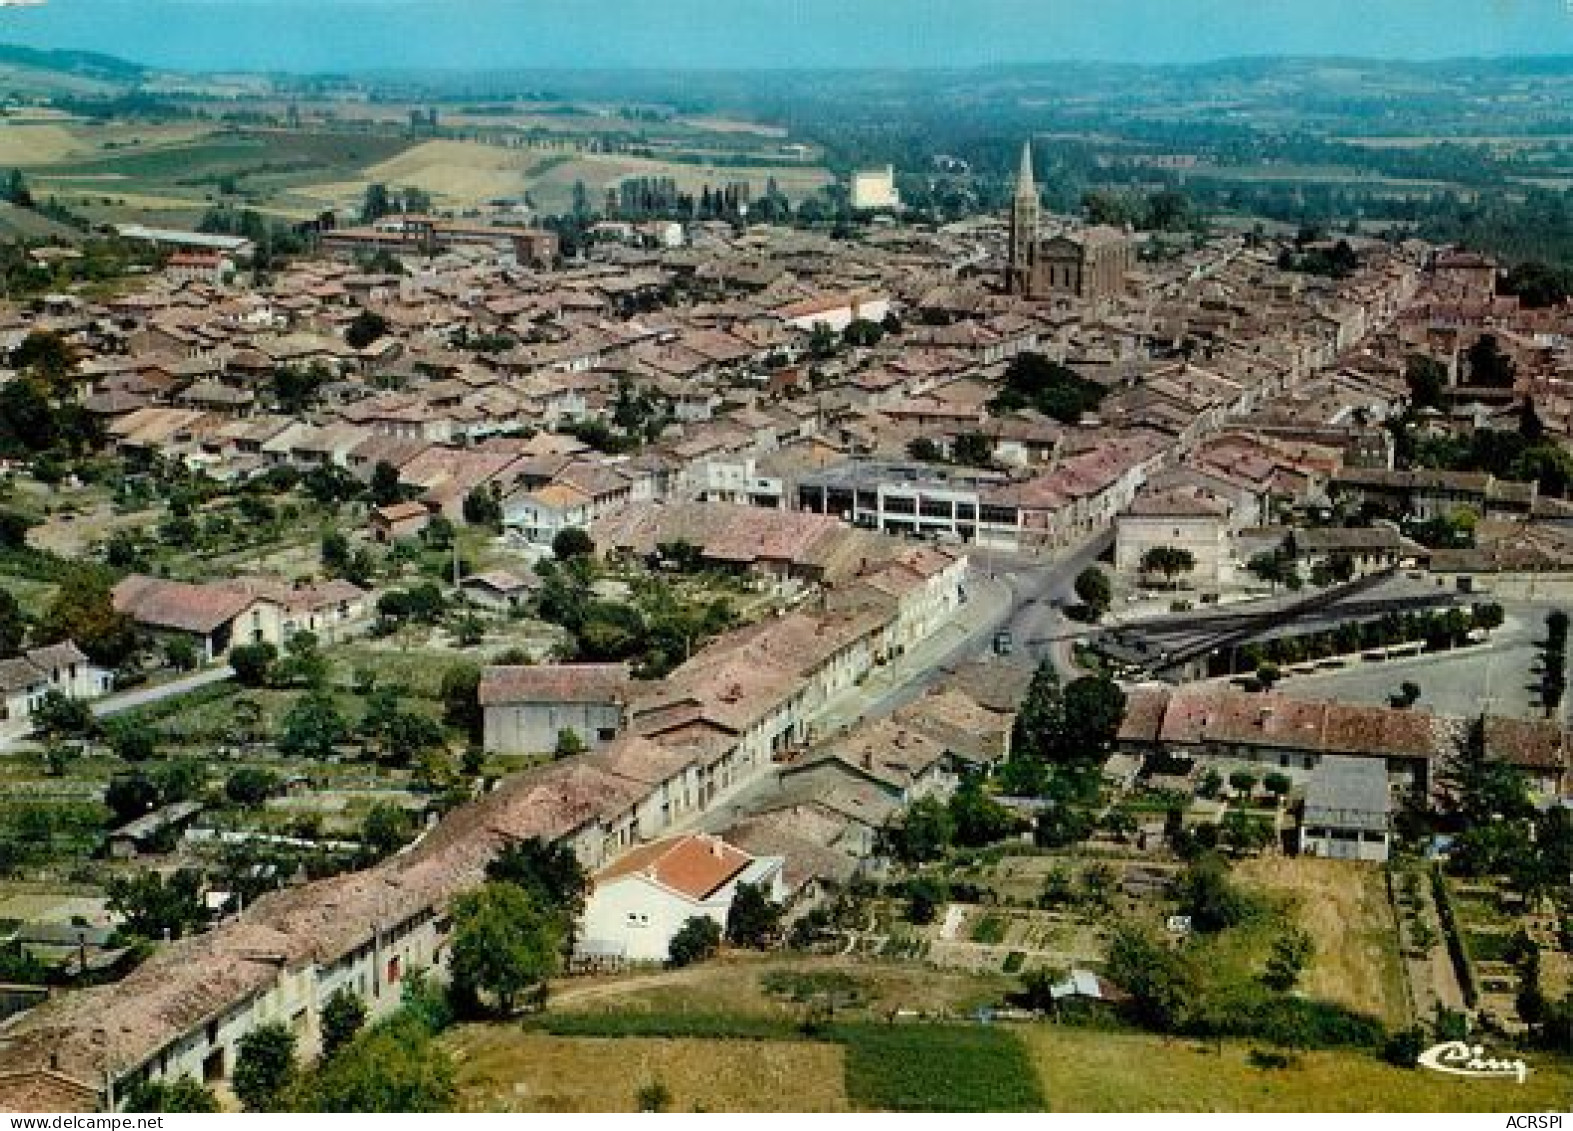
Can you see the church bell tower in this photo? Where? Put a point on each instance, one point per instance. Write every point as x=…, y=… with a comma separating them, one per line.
x=1024, y=210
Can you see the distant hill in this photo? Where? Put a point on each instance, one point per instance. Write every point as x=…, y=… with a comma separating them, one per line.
x=85, y=64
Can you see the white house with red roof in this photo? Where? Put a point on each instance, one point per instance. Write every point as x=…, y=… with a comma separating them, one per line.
x=641, y=901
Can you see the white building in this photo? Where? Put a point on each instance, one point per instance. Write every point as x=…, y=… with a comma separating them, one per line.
x=874, y=190
x=643, y=900
x=1182, y=519
x=26, y=679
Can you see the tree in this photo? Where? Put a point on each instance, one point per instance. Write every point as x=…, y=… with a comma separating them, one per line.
x=1033, y=381
x=393, y=1067
x=385, y=486
x=1278, y=784
x=1209, y=897
x=1094, y=590
x=343, y=1016
x=1211, y=783
x=13, y=624
x=265, y=1067
x=313, y=727
x=367, y=328
x=84, y=611
x=253, y=663
x=925, y=896
x=1039, y=728
x=1245, y=832
x=250, y=785
x=460, y=695
x=1169, y=561
x=924, y=833
x=1292, y=952
x=385, y=829
x=696, y=940
x=130, y=796
x=1489, y=366
x=180, y=653
x=1061, y=825
x=1242, y=781
x=653, y=1097
x=1094, y=710
x=1098, y=882
x=547, y=871
x=572, y=542
x=504, y=944
x=182, y=1095
x=979, y=820
x=1408, y=694
x=1537, y=284
x=482, y=508
x=1427, y=379
x=151, y=905
x=13, y=530
x=58, y=715
x=303, y=664
x=973, y=449
x=569, y=744
x=1276, y=567
x=924, y=450
x=376, y=203
x=130, y=741
x=754, y=919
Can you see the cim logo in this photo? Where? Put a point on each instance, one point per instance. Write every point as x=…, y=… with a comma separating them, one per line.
x=1459, y=1058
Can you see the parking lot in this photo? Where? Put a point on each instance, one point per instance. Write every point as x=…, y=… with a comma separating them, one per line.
x=1500, y=677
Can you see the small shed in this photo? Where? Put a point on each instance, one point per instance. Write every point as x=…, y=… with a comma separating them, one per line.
x=143, y=834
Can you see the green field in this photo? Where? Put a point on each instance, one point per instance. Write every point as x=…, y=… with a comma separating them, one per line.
x=1086, y=1070
x=889, y=1067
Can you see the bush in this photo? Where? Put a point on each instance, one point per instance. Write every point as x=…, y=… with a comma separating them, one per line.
x=698, y=939
x=1404, y=1047
x=654, y=1096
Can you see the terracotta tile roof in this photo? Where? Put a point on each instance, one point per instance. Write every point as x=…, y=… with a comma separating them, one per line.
x=692, y=866
x=556, y=683
x=179, y=605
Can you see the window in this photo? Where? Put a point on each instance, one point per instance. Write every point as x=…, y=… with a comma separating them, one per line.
x=606, y=734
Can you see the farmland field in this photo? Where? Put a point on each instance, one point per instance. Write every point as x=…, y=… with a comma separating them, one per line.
x=1344, y=908
x=1084, y=1070
x=503, y=1069
x=463, y=174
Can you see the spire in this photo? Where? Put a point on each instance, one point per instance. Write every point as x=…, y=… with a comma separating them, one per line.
x=1025, y=185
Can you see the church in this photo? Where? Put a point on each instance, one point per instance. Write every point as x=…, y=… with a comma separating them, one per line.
x=1089, y=264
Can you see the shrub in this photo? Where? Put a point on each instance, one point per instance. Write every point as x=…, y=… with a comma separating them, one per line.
x=697, y=940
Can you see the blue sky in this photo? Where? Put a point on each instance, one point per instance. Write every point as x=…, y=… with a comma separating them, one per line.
x=471, y=34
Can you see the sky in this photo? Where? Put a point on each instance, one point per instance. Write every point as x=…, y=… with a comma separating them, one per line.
x=354, y=35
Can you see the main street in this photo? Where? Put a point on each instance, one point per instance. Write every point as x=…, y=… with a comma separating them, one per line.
x=1018, y=593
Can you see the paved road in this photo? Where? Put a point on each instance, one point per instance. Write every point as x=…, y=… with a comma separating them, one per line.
x=1005, y=591
x=130, y=700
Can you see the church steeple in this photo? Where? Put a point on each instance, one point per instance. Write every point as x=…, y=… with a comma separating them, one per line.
x=1023, y=228
x=1026, y=186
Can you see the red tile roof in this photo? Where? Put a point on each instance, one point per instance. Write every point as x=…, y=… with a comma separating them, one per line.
x=693, y=866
